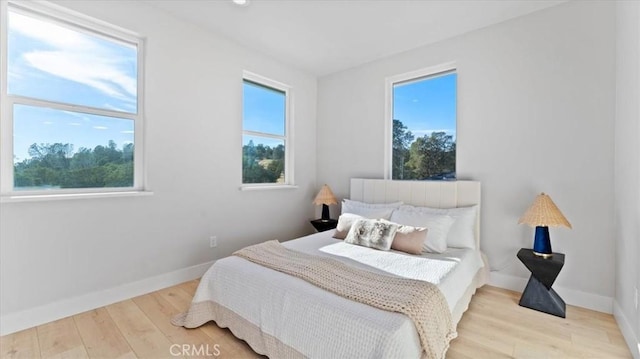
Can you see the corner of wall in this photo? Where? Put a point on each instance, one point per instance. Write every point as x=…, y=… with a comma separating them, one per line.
x=633, y=342
x=14, y=322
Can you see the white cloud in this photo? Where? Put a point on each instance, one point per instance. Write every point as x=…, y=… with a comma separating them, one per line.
x=84, y=68
x=85, y=118
x=128, y=131
x=49, y=33
x=101, y=127
x=76, y=57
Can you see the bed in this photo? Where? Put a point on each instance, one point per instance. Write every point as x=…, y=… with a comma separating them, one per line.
x=286, y=317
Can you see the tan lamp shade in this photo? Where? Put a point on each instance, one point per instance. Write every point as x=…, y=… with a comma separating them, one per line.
x=325, y=196
x=543, y=212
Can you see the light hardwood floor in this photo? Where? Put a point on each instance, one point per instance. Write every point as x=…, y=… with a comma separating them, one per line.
x=493, y=327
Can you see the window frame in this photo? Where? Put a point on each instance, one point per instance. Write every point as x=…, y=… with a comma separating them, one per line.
x=408, y=77
x=287, y=137
x=88, y=25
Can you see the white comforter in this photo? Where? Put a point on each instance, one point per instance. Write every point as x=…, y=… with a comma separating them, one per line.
x=320, y=324
x=400, y=264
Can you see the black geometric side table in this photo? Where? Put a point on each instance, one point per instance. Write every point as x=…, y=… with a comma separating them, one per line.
x=322, y=225
x=538, y=294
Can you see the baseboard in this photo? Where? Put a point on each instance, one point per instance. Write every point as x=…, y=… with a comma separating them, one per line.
x=14, y=322
x=633, y=342
x=578, y=298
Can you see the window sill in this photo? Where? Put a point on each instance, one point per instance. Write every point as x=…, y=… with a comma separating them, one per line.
x=15, y=198
x=260, y=187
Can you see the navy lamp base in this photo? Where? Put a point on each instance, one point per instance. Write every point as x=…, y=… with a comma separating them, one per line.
x=325, y=213
x=542, y=242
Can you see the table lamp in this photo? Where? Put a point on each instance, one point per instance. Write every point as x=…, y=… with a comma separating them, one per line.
x=543, y=214
x=325, y=197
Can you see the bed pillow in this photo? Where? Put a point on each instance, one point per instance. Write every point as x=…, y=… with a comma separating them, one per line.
x=409, y=239
x=438, y=225
x=345, y=221
x=463, y=230
x=372, y=233
x=369, y=210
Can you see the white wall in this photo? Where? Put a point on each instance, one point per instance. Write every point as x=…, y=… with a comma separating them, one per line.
x=627, y=170
x=536, y=108
x=535, y=113
x=52, y=253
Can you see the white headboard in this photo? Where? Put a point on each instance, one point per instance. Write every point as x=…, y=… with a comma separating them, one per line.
x=437, y=194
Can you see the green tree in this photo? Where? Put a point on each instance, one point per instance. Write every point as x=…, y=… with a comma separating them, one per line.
x=128, y=152
x=262, y=164
x=432, y=155
x=108, y=154
x=278, y=152
x=118, y=175
x=55, y=165
x=276, y=167
x=55, y=156
x=261, y=150
x=402, y=139
x=83, y=159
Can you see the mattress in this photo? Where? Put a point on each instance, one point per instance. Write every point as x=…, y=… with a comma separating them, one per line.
x=311, y=322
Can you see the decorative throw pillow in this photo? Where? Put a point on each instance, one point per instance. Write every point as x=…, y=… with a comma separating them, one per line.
x=369, y=210
x=463, y=230
x=372, y=233
x=409, y=239
x=345, y=221
x=437, y=224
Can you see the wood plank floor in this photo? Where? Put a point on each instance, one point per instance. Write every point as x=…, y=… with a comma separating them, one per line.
x=493, y=327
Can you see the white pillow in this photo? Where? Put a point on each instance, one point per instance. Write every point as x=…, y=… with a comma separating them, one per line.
x=438, y=226
x=463, y=230
x=345, y=221
x=369, y=210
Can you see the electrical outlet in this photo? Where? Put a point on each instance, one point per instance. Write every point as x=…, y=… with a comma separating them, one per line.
x=213, y=241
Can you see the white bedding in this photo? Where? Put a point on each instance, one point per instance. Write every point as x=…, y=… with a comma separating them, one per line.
x=452, y=271
x=319, y=324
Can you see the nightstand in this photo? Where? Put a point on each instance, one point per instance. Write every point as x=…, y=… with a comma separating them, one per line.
x=322, y=225
x=538, y=294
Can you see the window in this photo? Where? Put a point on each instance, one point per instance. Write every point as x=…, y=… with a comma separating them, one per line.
x=71, y=102
x=266, y=144
x=422, y=125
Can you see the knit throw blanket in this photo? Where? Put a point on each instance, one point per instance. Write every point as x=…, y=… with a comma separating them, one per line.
x=421, y=301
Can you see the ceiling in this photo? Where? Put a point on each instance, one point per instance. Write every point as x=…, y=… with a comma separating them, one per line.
x=326, y=36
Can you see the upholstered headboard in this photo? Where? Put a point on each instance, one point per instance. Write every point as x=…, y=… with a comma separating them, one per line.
x=437, y=194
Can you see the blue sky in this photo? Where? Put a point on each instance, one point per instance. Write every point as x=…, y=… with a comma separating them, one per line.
x=263, y=110
x=423, y=106
x=51, y=62
x=427, y=105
